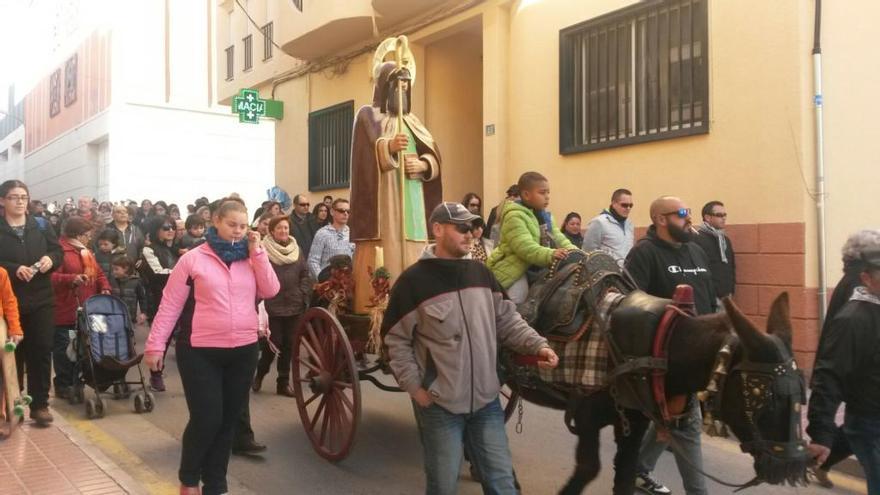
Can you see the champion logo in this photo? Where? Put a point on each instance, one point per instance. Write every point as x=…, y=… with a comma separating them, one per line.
x=691, y=271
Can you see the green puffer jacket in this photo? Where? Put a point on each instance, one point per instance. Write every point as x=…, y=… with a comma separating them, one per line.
x=520, y=245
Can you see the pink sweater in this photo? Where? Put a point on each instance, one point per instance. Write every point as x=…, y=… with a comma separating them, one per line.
x=225, y=311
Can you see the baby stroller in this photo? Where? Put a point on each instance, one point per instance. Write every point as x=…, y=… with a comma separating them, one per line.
x=104, y=348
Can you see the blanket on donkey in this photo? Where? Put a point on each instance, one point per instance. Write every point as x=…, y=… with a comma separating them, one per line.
x=585, y=362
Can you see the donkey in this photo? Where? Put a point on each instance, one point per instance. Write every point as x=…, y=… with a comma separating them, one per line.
x=758, y=397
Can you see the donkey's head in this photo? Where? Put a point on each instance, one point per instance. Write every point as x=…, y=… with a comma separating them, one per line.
x=763, y=393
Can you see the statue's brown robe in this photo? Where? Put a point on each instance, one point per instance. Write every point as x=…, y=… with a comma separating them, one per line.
x=376, y=217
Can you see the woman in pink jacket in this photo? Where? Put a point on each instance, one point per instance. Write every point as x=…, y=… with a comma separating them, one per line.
x=214, y=290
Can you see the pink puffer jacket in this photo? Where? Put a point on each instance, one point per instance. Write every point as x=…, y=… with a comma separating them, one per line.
x=225, y=311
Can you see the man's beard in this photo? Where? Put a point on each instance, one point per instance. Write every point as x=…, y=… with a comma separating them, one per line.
x=393, y=101
x=680, y=234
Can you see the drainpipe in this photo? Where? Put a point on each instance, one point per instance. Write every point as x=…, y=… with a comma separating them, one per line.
x=820, y=162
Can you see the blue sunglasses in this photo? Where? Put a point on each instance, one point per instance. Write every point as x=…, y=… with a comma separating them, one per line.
x=681, y=212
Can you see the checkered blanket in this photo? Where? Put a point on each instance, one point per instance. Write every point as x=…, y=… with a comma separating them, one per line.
x=584, y=362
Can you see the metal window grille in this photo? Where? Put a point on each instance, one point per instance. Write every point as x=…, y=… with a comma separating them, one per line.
x=635, y=75
x=298, y=4
x=330, y=146
x=267, y=41
x=248, y=51
x=230, y=62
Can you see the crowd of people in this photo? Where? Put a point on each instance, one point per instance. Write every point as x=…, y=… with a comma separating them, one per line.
x=161, y=264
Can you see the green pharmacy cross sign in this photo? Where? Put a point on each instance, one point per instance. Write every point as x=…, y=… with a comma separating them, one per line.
x=250, y=107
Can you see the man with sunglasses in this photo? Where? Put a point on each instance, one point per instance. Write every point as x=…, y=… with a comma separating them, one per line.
x=612, y=231
x=714, y=241
x=447, y=315
x=659, y=262
x=331, y=240
x=303, y=226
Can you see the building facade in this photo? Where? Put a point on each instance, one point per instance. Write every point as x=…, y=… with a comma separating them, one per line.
x=702, y=99
x=128, y=110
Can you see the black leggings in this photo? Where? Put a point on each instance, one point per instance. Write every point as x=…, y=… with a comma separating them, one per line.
x=216, y=383
x=35, y=353
x=282, y=328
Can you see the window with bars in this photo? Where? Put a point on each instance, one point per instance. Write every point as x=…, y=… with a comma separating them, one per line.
x=248, y=51
x=267, y=41
x=330, y=146
x=635, y=75
x=230, y=62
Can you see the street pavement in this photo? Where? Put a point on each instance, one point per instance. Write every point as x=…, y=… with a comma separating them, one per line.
x=386, y=458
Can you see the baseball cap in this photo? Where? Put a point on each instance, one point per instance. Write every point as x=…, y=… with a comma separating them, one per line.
x=450, y=212
x=871, y=257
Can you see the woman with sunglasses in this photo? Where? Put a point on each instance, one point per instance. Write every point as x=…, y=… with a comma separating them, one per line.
x=481, y=247
x=29, y=254
x=158, y=259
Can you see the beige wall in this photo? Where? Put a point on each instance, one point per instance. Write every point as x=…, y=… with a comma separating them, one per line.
x=452, y=77
x=852, y=150
x=750, y=157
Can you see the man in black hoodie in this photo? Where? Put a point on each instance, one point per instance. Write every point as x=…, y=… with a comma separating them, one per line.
x=658, y=263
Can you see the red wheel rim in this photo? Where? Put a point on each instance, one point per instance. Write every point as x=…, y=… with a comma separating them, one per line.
x=326, y=384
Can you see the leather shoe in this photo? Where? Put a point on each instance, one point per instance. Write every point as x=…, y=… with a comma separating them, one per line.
x=249, y=447
x=285, y=389
x=42, y=416
x=258, y=382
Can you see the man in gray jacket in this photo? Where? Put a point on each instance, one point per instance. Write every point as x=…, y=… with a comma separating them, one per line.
x=446, y=317
x=612, y=231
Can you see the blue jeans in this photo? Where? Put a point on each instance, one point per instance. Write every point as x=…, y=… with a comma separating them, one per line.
x=443, y=435
x=687, y=433
x=863, y=434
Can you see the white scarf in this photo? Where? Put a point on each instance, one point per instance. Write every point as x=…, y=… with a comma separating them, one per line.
x=281, y=255
x=722, y=240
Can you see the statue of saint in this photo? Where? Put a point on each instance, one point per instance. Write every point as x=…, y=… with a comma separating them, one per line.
x=384, y=215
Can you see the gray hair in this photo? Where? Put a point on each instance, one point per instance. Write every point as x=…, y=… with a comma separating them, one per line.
x=857, y=243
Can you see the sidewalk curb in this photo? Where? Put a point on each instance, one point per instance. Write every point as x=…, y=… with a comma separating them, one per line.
x=98, y=457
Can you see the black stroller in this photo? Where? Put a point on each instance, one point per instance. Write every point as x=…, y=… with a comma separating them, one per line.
x=105, y=351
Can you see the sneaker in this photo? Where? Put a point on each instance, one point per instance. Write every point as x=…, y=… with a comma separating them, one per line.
x=248, y=447
x=647, y=484
x=157, y=384
x=42, y=416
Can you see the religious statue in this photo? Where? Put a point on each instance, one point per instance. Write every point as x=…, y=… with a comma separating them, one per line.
x=395, y=176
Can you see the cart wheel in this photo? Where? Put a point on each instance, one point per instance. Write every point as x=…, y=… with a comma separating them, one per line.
x=149, y=402
x=326, y=384
x=139, y=403
x=509, y=401
x=91, y=409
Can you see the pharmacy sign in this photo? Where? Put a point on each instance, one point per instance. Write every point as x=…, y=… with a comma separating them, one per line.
x=250, y=107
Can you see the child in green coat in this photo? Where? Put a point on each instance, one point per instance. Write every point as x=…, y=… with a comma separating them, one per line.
x=529, y=238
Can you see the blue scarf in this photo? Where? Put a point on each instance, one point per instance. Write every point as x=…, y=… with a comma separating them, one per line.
x=227, y=251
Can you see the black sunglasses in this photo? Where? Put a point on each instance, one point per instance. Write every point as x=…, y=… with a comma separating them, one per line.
x=626, y=205
x=168, y=227
x=462, y=228
x=719, y=215
x=344, y=212
x=303, y=204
